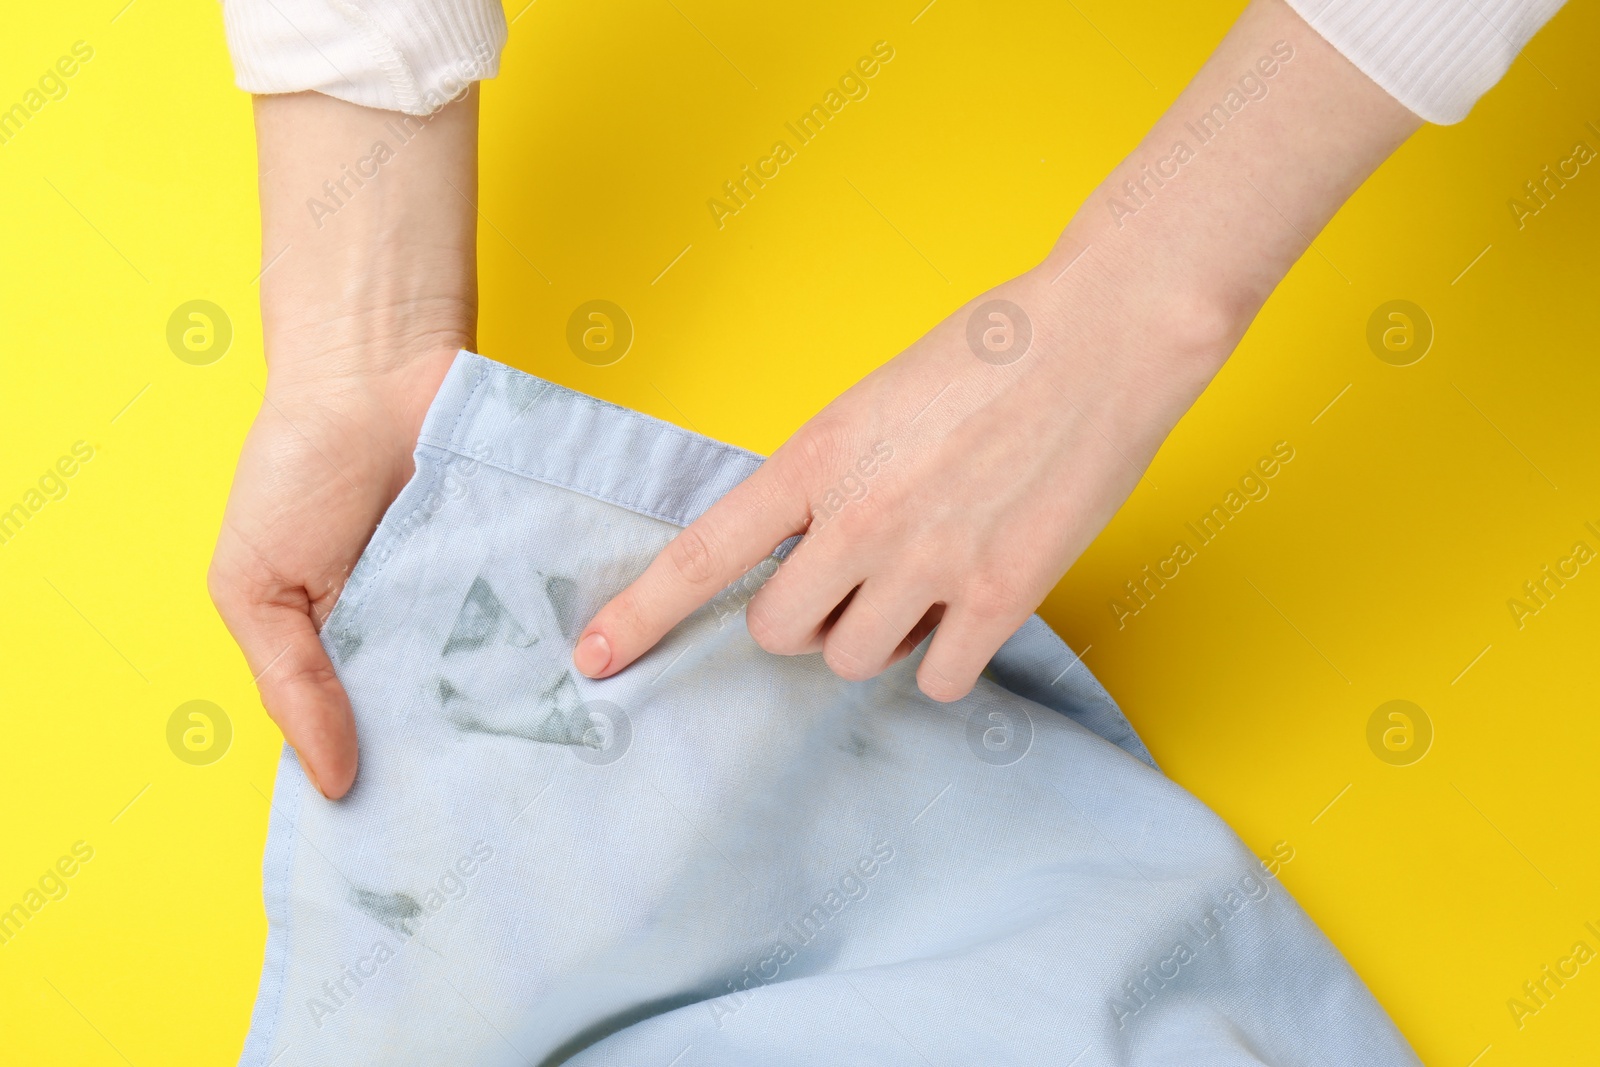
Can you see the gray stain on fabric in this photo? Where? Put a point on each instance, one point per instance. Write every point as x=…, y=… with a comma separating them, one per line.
x=447, y=693
x=858, y=746
x=394, y=910
x=345, y=642
x=523, y=393
x=563, y=594
x=555, y=718
x=482, y=619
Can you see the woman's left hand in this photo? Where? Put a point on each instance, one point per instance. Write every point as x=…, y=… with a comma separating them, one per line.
x=950, y=488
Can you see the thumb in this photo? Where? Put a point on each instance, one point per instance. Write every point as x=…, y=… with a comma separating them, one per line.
x=298, y=686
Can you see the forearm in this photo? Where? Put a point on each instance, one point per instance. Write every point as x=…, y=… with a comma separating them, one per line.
x=368, y=288
x=1223, y=195
x=1021, y=423
x=368, y=235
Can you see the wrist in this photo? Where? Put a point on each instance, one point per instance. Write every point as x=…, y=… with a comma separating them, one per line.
x=1202, y=220
x=1175, y=319
x=368, y=240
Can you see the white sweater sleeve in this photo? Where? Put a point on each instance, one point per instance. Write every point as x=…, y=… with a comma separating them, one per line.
x=398, y=55
x=1434, y=56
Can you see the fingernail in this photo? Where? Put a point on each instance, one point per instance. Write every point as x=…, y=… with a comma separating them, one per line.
x=592, y=654
x=311, y=777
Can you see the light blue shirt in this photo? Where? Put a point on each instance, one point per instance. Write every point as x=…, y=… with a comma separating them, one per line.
x=721, y=856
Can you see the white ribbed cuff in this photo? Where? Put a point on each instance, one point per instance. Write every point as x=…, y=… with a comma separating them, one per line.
x=413, y=56
x=1434, y=56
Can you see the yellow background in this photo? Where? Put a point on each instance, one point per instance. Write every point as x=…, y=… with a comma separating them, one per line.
x=1415, y=507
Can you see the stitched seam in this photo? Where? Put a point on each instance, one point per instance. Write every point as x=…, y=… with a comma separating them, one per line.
x=656, y=424
x=479, y=377
x=402, y=81
x=385, y=545
x=452, y=444
x=638, y=509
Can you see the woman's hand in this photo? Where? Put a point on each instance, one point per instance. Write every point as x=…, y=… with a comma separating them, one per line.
x=321, y=463
x=369, y=291
x=953, y=488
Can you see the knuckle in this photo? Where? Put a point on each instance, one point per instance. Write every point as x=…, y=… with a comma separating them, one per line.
x=693, y=557
x=287, y=684
x=318, y=672
x=859, y=521
x=770, y=632
x=217, y=585
x=624, y=615
x=935, y=685
x=226, y=590
x=815, y=449
x=775, y=487
x=849, y=663
x=991, y=599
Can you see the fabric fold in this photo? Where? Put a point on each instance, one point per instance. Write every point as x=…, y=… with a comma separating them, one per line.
x=721, y=856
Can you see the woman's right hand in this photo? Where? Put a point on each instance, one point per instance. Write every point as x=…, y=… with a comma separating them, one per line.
x=369, y=290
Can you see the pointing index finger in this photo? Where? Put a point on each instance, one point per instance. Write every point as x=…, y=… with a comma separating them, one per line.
x=734, y=534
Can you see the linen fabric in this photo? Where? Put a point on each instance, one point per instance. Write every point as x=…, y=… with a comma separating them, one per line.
x=720, y=856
